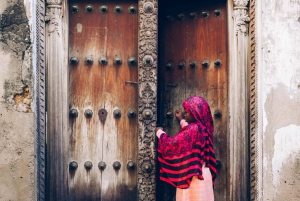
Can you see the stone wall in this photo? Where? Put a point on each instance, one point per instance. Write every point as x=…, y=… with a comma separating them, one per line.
x=17, y=155
x=280, y=95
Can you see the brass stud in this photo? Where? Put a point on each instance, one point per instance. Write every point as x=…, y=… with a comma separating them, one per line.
x=205, y=64
x=170, y=65
x=118, y=9
x=88, y=113
x=131, y=113
x=217, y=13
x=180, y=16
x=74, y=9
x=117, y=113
x=132, y=61
x=205, y=14
x=73, y=165
x=193, y=15
x=170, y=114
x=88, y=165
x=193, y=64
x=116, y=165
x=181, y=64
x=74, y=60
x=170, y=18
x=218, y=63
x=73, y=113
x=89, y=8
x=103, y=9
x=89, y=61
x=131, y=165
x=132, y=9
x=102, y=165
x=117, y=61
x=103, y=61
x=218, y=114
x=148, y=7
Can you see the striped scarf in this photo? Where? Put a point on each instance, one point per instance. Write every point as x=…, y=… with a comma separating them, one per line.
x=182, y=156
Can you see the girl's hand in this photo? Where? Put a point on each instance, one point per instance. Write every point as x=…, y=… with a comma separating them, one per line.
x=179, y=115
x=157, y=128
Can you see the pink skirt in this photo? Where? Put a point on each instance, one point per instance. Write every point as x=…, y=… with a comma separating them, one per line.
x=199, y=190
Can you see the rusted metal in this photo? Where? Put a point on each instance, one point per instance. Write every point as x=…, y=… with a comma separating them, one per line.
x=132, y=9
x=116, y=165
x=131, y=113
x=88, y=113
x=217, y=13
x=132, y=61
x=88, y=165
x=74, y=60
x=103, y=61
x=193, y=64
x=180, y=16
x=181, y=64
x=170, y=114
x=218, y=114
x=102, y=165
x=117, y=113
x=73, y=165
x=117, y=61
x=73, y=113
x=205, y=64
x=169, y=65
x=218, y=63
x=89, y=8
x=103, y=9
x=74, y=8
x=131, y=165
x=118, y=9
x=193, y=15
x=89, y=61
x=205, y=14
x=102, y=113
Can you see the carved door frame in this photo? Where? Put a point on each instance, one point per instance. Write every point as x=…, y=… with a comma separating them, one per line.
x=52, y=52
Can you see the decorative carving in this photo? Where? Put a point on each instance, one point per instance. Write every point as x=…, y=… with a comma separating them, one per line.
x=53, y=18
x=242, y=3
x=253, y=108
x=147, y=63
x=241, y=16
x=54, y=2
x=40, y=100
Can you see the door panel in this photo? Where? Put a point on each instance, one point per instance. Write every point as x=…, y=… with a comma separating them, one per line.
x=201, y=39
x=97, y=34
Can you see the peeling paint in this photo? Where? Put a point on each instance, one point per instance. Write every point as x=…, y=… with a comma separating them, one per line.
x=287, y=144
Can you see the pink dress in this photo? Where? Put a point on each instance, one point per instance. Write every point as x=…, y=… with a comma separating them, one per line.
x=199, y=190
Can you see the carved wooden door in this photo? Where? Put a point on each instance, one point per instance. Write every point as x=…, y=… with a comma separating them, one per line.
x=193, y=61
x=103, y=100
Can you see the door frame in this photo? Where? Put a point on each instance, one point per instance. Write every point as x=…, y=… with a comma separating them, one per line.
x=51, y=26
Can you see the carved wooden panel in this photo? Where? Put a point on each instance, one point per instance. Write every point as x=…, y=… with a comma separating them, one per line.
x=104, y=92
x=193, y=61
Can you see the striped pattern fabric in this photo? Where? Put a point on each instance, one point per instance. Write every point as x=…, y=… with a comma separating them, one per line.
x=182, y=156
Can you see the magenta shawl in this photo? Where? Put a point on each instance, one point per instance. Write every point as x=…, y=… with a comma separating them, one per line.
x=181, y=157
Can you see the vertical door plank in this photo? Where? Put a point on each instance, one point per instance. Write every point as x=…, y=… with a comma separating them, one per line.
x=197, y=40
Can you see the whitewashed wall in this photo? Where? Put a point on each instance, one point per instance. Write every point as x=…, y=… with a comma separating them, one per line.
x=17, y=122
x=279, y=95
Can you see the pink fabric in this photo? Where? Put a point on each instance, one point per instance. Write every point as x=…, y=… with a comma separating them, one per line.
x=199, y=190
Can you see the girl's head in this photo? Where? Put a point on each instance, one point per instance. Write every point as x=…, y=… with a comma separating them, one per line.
x=198, y=111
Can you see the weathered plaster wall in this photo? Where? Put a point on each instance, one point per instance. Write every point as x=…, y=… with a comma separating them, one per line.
x=16, y=102
x=280, y=92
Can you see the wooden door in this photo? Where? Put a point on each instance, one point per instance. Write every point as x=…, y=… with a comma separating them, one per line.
x=103, y=100
x=193, y=61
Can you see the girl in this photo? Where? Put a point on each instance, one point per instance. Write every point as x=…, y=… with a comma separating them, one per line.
x=187, y=160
